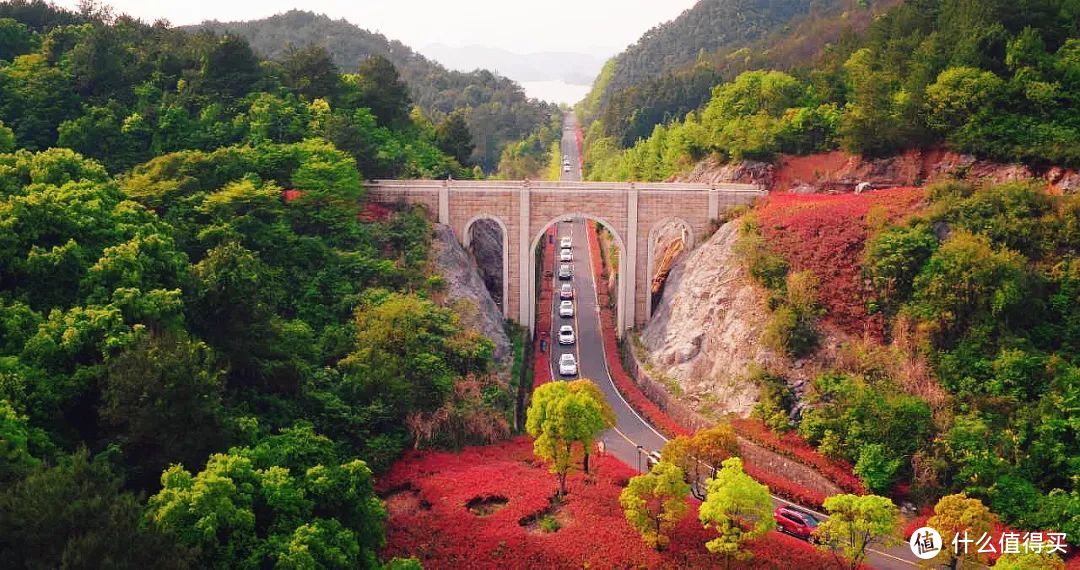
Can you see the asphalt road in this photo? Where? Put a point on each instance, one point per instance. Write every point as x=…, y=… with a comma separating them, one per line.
x=632, y=438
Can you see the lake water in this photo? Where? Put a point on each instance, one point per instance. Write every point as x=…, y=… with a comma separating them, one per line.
x=557, y=91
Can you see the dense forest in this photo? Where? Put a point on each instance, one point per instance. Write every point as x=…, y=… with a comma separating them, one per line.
x=998, y=80
x=496, y=109
x=207, y=344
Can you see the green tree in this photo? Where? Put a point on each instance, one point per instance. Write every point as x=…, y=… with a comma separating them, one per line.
x=16, y=439
x=310, y=72
x=560, y=416
x=380, y=88
x=7, y=139
x=876, y=468
x=453, y=137
x=15, y=39
x=738, y=507
x=229, y=67
x=959, y=94
x=855, y=522
x=162, y=403
x=655, y=502
x=76, y=515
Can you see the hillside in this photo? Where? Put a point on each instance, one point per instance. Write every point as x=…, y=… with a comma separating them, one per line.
x=497, y=110
x=689, y=44
x=1000, y=83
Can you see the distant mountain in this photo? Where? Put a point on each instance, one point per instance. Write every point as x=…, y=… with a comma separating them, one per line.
x=498, y=111
x=571, y=67
x=671, y=70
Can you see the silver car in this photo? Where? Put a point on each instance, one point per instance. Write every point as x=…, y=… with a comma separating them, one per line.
x=567, y=365
x=566, y=309
x=566, y=242
x=566, y=334
x=566, y=255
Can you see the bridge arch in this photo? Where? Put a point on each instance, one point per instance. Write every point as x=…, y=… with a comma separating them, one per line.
x=524, y=209
x=620, y=303
x=466, y=242
x=651, y=261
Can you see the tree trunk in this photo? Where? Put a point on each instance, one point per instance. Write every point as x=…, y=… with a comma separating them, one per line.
x=586, y=461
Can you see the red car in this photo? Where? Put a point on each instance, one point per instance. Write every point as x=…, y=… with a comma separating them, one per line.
x=800, y=524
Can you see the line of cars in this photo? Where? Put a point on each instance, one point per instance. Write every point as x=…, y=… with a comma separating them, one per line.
x=568, y=365
x=565, y=163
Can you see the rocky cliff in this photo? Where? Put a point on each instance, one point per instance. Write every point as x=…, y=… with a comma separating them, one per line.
x=466, y=293
x=705, y=331
x=486, y=247
x=842, y=172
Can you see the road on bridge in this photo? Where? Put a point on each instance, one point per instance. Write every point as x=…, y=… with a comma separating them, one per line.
x=632, y=438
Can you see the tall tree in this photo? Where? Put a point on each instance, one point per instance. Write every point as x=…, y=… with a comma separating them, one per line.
x=738, y=507
x=855, y=522
x=310, y=72
x=655, y=502
x=230, y=68
x=560, y=416
x=454, y=137
x=382, y=90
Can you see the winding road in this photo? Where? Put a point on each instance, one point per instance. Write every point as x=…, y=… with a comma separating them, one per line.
x=632, y=438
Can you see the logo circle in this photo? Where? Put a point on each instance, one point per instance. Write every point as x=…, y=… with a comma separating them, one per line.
x=925, y=543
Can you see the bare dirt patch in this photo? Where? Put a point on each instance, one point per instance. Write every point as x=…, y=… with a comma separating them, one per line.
x=487, y=505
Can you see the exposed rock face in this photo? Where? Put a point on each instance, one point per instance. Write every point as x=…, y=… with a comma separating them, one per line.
x=742, y=172
x=466, y=293
x=487, y=248
x=669, y=250
x=842, y=172
x=706, y=330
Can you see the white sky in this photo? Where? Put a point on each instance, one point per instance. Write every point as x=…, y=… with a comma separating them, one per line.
x=603, y=27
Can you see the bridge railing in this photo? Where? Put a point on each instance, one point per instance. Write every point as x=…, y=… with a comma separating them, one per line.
x=566, y=185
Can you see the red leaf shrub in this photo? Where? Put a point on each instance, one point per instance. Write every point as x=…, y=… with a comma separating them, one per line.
x=827, y=235
x=428, y=494
x=795, y=447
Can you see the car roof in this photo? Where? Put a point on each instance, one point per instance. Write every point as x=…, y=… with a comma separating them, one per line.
x=790, y=510
x=566, y=328
x=567, y=356
x=567, y=302
x=566, y=285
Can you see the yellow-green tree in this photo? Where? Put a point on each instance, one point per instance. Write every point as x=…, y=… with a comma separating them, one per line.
x=1030, y=561
x=855, y=522
x=699, y=456
x=562, y=414
x=655, y=502
x=954, y=515
x=738, y=507
x=589, y=387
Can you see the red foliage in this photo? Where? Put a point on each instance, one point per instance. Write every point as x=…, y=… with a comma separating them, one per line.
x=291, y=194
x=427, y=496
x=372, y=212
x=827, y=235
x=782, y=487
x=795, y=447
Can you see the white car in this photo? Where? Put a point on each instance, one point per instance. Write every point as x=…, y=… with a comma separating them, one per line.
x=566, y=168
x=566, y=255
x=566, y=242
x=567, y=365
x=566, y=334
x=566, y=291
x=566, y=309
x=566, y=271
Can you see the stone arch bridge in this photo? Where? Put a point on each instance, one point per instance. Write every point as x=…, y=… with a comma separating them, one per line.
x=632, y=212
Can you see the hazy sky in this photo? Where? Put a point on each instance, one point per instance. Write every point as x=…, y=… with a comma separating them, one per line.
x=600, y=26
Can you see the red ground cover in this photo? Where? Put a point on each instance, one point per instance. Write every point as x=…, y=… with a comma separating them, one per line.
x=427, y=494
x=795, y=447
x=826, y=235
